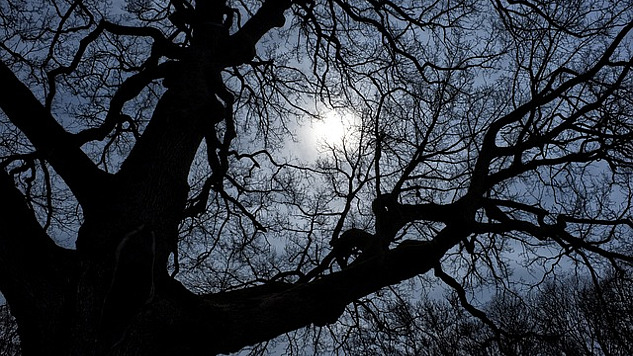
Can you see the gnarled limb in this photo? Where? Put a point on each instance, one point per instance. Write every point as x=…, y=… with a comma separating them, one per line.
x=257, y=314
x=54, y=144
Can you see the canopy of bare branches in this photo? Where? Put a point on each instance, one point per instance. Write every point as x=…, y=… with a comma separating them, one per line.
x=164, y=190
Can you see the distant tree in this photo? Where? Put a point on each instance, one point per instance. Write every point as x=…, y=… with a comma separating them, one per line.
x=152, y=202
x=570, y=317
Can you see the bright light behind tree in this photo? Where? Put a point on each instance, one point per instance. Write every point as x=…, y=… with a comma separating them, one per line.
x=335, y=127
x=297, y=176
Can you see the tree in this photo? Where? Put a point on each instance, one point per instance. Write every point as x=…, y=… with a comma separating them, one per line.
x=147, y=207
x=571, y=317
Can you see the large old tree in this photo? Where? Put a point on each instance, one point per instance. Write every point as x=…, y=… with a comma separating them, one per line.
x=159, y=195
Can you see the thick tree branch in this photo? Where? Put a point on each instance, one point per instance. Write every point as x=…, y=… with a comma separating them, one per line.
x=50, y=139
x=258, y=314
x=162, y=156
x=269, y=16
x=323, y=301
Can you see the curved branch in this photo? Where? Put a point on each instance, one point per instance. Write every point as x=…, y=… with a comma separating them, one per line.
x=461, y=294
x=128, y=90
x=246, y=317
x=269, y=16
x=489, y=149
x=162, y=44
x=83, y=45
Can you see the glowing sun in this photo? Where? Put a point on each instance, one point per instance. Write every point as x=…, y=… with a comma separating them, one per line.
x=334, y=127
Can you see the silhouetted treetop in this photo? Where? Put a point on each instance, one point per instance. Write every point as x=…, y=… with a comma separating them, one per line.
x=165, y=189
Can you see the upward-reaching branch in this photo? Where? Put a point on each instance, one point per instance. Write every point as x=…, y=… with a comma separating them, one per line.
x=191, y=106
x=50, y=139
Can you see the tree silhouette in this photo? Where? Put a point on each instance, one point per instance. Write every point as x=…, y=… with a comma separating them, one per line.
x=150, y=206
x=572, y=317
